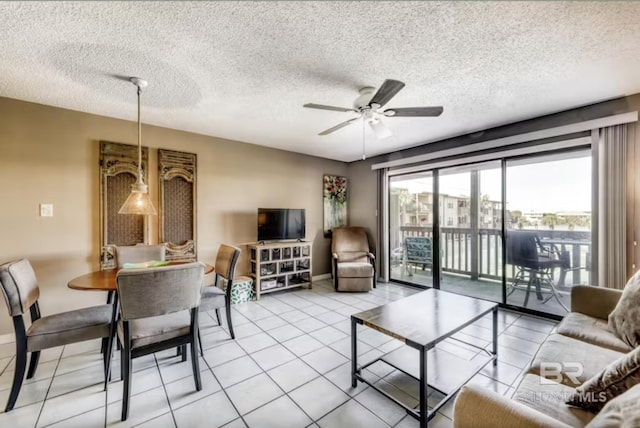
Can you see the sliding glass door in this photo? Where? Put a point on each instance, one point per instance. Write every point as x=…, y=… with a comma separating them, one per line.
x=411, y=228
x=446, y=229
x=470, y=200
x=548, y=229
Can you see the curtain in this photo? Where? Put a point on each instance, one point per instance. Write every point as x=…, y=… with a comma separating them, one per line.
x=612, y=173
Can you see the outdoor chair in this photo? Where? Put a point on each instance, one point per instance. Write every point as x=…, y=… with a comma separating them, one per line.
x=21, y=292
x=158, y=309
x=534, y=265
x=214, y=297
x=353, y=264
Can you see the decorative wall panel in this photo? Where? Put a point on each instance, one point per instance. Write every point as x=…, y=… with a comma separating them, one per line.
x=178, y=203
x=118, y=171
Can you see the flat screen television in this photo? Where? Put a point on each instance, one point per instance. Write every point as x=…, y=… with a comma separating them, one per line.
x=280, y=224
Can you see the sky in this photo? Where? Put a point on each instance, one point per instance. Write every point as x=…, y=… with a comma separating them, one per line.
x=547, y=186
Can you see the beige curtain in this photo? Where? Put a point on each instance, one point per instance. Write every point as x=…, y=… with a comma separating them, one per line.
x=612, y=173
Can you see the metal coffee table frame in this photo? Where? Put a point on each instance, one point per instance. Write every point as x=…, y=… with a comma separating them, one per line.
x=423, y=415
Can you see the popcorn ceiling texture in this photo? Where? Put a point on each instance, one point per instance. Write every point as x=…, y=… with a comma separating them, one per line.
x=243, y=70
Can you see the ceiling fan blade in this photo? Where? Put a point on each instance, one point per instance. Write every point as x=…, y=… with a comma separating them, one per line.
x=323, y=107
x=379, y=129
x=414, y=112
x=387, y=91
x=339, y=126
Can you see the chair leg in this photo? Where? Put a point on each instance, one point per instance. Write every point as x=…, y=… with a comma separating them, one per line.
x=228, y=308
x=18, y=375
x=33, y=364
x=126, y=386
x=122, y=363
x=107, y=362
x=200, y=343
x=195, y=364
x=183, y=352
x=218, y=316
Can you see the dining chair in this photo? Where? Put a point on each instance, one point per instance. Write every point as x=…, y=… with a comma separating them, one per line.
x=21, y=292
x=158, y=309
x=214, y=297
x=139, y=253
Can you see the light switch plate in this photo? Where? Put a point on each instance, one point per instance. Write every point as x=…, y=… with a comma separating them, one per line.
x=46, y=210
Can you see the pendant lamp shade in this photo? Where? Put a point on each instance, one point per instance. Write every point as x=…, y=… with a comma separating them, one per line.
x=138, y=201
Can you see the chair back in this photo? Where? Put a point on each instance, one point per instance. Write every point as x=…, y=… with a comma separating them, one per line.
x=350, y=244
x=19, y=286
x=226, y=261
x=158, y=291
x=140, y=253
x=522, y=249
x=418, y=249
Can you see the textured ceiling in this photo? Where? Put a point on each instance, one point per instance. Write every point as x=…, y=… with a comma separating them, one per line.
x=243, y=70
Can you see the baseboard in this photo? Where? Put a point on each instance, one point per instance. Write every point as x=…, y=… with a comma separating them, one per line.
x=320, y=277
x=7, y=338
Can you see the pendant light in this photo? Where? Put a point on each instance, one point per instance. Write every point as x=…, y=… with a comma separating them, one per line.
x=138, y=201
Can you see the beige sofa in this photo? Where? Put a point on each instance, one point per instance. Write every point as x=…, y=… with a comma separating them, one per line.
x=582, y=337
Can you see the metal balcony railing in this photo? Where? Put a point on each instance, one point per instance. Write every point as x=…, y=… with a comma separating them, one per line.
x=461, y=255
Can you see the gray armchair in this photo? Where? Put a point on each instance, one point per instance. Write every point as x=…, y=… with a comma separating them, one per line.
x=353, y=264
x=158, y=310
x=21, y=292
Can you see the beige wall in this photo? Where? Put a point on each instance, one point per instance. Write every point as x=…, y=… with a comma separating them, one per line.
x=50, y=155
x=363, y=202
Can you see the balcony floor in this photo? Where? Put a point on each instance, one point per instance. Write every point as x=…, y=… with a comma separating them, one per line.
x=483, y=289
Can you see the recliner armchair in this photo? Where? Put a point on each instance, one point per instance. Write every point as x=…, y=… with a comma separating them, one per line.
x=353, y=264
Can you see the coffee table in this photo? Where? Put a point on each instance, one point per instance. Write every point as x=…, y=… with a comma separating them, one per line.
x=421, y=321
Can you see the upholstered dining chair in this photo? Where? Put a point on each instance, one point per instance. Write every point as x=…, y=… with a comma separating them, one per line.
x=139, y=253
x=158, y=309
x=214, y=297
x=353, y=264
x=21, y=292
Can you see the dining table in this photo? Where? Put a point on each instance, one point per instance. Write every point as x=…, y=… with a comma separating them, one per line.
x=105, y=280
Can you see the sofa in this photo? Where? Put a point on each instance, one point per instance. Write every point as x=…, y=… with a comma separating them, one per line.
x=583, y=346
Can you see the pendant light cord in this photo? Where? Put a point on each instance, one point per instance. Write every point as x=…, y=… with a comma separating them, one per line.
x=139, y=139
x=363, y=151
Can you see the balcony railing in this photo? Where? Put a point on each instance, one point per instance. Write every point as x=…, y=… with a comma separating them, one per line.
x=479, y=256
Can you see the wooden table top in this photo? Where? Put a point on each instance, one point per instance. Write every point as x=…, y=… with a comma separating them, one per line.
x=424, y=319
x=105, y=280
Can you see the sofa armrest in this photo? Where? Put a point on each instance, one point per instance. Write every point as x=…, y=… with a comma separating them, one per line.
x=478, y=407
x=597, y=302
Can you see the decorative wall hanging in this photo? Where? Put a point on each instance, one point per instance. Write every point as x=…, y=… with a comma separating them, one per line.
x=118, y=171
x=335, y=202
x=177, y=203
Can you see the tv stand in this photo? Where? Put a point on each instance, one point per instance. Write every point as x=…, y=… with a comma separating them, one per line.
x=280, y=265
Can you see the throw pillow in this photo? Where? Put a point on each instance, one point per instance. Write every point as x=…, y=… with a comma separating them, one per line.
x=621, y=412
x=612, y=381
x=624, y=321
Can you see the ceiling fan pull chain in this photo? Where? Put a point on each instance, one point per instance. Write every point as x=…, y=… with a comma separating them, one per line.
x=363, y=153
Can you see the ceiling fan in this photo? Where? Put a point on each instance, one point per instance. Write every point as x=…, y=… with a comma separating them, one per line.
x=369, y=107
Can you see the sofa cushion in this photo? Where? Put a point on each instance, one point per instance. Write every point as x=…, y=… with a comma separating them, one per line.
x=621, y=412
x=576, y=360
x=612, y=381
x=549, y=398
x=625, y=318
x=591, y=330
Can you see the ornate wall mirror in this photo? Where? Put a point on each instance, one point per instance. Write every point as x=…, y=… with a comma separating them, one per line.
x=118, y=171
x=177, y=203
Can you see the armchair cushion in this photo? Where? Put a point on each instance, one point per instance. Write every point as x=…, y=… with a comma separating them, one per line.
x=355, y=270
x=615, y=379
x=145, y=331
x=69, y=327
x=591, y=330
x=625, y=318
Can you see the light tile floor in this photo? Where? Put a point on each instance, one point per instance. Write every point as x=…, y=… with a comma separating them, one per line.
x=288, y=367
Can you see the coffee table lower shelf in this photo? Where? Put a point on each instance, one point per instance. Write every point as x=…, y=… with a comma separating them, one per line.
x=447, y=395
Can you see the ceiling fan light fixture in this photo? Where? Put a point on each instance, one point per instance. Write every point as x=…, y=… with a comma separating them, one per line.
x=138, y=201
x=379, y=129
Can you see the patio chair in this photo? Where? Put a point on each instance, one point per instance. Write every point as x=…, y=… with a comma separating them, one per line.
x=417, y=251
x=21, y=292
x=158, y=310
x=534, y=264
x=353, y=264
